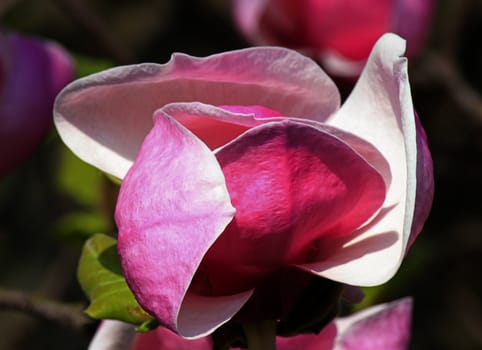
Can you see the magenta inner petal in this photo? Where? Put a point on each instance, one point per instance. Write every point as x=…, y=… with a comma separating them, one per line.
x=216, y=132
x=213, y=132
x=291, y=185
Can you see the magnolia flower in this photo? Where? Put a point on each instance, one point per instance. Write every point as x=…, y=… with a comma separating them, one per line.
x=339, y=33
x=32, y=72
x=382, y=327
x=250, y=175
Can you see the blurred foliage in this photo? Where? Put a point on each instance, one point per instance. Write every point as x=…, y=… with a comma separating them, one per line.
x=53, y=202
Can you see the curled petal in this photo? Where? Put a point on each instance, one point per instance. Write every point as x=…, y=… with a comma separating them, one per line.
x=104, y=118
x=380, y=111
x=173, y=204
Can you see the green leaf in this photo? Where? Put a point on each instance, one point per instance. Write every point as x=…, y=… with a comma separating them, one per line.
x=100, y=276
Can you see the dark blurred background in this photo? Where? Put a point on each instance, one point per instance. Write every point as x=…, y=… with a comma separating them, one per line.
x=52, y=202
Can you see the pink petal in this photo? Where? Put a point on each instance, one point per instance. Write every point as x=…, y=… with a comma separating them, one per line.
x=104, y=118
x=383, y=327
x=32, y=72
x=163, y=339
x=323, y=341
x=295, y=189
x=173, y=204
x=380, y=111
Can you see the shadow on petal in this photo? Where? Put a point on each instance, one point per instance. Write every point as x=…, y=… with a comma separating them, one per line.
x=351, y=251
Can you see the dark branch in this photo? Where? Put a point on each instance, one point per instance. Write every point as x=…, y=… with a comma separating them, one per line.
x=67, y=315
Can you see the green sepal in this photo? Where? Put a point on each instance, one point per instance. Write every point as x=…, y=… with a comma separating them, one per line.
x=115, y=180
x=100, y=276
x=148, y=325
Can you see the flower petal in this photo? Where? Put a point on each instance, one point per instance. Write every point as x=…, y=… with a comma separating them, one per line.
x=216, y=126
x=380, y=111
x=172, y=206
x=113, y=335
x=103, y=118
x=164, y=339
x=382, y=327
x=325, y=340
x=425, y=183
x=295, y=189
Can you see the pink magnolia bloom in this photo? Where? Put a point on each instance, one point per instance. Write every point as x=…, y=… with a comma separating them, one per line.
x=251, y=170
x=32, y=72
x=382, y=327
x=340, y=33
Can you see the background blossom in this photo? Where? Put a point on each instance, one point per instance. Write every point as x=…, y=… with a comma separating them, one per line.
x=339, y=33
x=32, y=72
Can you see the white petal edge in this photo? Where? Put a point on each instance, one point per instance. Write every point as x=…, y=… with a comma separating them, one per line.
x=200, y=316
x=103, y=118
x=380, y=110
x=113, y=335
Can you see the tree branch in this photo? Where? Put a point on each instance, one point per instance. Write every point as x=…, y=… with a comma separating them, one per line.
x=70, y=315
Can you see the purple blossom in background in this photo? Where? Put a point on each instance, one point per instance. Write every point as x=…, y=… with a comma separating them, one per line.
x=32, y=72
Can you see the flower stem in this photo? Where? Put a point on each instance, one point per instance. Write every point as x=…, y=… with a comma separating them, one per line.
x=261, y=335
